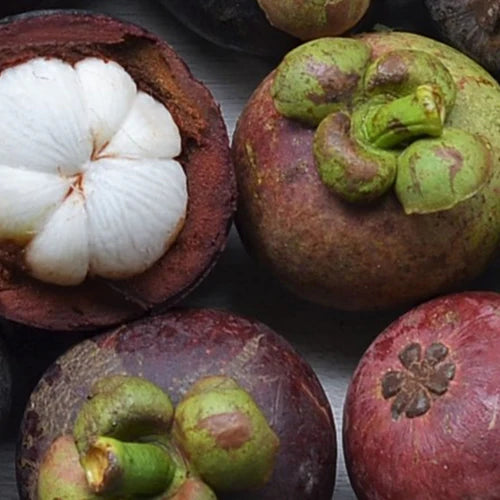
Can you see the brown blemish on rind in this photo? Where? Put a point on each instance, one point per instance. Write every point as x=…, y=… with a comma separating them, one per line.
x=392, y=70
x=159, y=72
x=424, y=380
x=337, y=85
x=456, y=159
x=230, y=430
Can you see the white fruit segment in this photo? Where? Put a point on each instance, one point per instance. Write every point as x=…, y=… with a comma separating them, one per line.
x=59, y=254
x=27, y=198
x=87, y=177
x=127, y=211
x=148, y=132
x=108, y=92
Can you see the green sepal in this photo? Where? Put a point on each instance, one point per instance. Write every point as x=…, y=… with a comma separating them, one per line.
x=437, y=174
x=318, y=78
x=349, y=167
x=225, y=435
x=123, y=407
x=400, y=72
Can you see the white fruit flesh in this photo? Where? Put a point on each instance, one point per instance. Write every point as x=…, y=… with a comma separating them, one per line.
x=88, y=181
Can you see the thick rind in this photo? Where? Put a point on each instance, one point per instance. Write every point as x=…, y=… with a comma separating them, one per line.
x=175, y=350
x=206, y=160
x=362, y=257
x=453, y=451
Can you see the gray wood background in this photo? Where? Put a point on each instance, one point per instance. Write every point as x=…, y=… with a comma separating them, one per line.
x=331, y=341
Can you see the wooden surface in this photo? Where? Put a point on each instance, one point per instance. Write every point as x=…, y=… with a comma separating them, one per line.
x=331, y=341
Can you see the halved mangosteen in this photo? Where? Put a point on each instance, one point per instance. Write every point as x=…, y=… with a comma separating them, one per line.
x=117, y=190
x=369, y=169
x=422, y=413
x=473, y=26
x=245, y=405
x=267, y=27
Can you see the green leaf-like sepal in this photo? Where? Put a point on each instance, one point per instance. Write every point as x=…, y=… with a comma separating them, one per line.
x=437, y=174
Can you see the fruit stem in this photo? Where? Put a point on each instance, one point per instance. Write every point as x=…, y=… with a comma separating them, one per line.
x=127, y=469
x=418, y=114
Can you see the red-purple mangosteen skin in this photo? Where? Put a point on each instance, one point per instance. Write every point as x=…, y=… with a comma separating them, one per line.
x=175, y=350
x=445, y=443
x=360, y=256
x=157, y=70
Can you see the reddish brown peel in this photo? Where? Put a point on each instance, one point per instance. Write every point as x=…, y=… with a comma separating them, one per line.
x=158, y=71
x=174, y=351
x=449, y=447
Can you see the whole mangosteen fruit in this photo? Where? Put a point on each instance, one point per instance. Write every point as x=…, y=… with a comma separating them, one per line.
x=421, y=417
x=207, y=396
x=368, y=170
x=473, y=26
x=116, y=185
x=267, y=27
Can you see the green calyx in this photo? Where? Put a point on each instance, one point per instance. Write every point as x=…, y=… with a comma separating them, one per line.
x=437, y=174
x=387, y=129
x=125, y=408
x=421, y=113
x=226, y=436
x=352, y=169
x=318, y=78
x=123, y=444
x=401, y=72
x=126, y=470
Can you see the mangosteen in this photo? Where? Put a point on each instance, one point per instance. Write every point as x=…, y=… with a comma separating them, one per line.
x=117, y=190
x=218, y=403
x=368, y=170
x=266, y=27
x=421, y=417
x=5, y=387
x=473, y=26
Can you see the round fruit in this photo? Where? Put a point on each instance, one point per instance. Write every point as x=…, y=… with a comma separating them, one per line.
x=471, y=26
x=116, y=189
x=422, y=414
x=368, y=170
x=237, y=389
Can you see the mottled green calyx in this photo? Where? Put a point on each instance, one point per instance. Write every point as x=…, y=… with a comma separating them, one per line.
x=125, y=408
x=318, y=78
x=61, y=475
x=225, y=435
x=437, y=174
x=401, y=72
x=127, y=469
x=423, y=380
x=353, y=170
x=421, y=113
